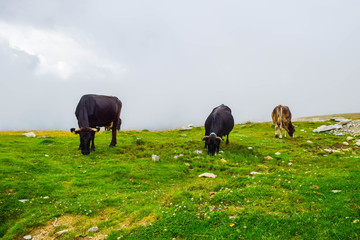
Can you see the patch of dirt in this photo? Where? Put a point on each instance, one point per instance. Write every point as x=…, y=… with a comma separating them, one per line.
x=66, y=222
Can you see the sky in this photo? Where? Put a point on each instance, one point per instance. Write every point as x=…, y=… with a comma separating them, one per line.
x=172, y=62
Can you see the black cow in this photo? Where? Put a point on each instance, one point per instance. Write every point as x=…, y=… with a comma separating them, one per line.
x=94, y=111
x=219, y=123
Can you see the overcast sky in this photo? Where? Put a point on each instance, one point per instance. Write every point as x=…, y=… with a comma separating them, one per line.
x=172, y=62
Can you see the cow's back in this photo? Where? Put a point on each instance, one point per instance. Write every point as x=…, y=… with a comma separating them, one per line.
x=281, y=114
x=97, y=110
x=220, y=121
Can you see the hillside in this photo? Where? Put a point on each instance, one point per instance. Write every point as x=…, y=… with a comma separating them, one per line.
x=308, y=188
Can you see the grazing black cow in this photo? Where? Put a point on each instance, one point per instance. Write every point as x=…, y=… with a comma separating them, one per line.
x=95, y=111
x=281, y=117
x=219, y=123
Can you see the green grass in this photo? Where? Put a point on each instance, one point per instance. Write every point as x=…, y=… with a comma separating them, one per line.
x=127, y=195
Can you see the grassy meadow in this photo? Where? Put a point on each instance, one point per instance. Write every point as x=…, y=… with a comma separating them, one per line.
x=301, y=192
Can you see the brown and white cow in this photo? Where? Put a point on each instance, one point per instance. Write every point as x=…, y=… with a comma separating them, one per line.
x=281, y=117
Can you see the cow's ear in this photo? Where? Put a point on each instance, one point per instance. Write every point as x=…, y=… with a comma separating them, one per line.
x=72, y=129
x=97, y=129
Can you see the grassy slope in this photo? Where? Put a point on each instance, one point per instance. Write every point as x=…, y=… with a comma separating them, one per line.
x=126, y=194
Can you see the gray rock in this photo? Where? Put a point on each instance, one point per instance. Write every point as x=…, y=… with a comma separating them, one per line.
x=325, y=128
x=93, y=229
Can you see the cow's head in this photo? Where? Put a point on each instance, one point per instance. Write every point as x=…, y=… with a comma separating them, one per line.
x=213, y=143
x=291, y=130
x=86, y=135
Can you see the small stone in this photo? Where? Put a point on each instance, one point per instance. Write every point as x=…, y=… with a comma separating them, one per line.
x=155, y=158
x=336, y=191
x=345, y=143
x=250, y=148
x=30, y=134
x=254, y=173
x=308, y=141
x=61, y=232
x=187, y=164
x=23, y=200
x=223, y=160
x=93, y=229
x=277, y=153
x=356, y=221
x=349, y=138
x=208, y=175
x=268, y=158
x=46, y=197
x=27, y=237
x=46, y=155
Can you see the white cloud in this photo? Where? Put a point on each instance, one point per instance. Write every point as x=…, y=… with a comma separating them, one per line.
x=58, y=53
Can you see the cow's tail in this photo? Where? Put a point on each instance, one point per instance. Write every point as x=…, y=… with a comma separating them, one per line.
x=280, y=116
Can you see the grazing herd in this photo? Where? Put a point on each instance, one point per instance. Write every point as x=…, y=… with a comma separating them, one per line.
x=95, y=111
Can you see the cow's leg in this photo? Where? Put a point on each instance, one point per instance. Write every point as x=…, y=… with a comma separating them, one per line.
x=227, y=140
x=113, y=140
x=92, y=141
x=280, y=127
x=276, y=130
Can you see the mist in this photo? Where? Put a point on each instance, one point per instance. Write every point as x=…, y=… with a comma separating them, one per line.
x=172, y=62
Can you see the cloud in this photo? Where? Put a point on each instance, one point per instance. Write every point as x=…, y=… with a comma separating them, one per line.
x=58, y=54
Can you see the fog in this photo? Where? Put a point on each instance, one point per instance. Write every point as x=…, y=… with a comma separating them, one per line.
x=172, y=62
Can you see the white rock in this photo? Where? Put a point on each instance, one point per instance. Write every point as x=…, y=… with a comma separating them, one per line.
x=61, y=232
x=254, y=173
x=23, y=200
x=277, y=153
x=308, y=141
x=198, y=151
x=27, y=237
x=349, y=138
x=185, y=128
x=345, y=143
x=30, y=134
x=155, y=158
x=208, y=175
x=336, y=191
x=250, y=148
x=93, y=229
